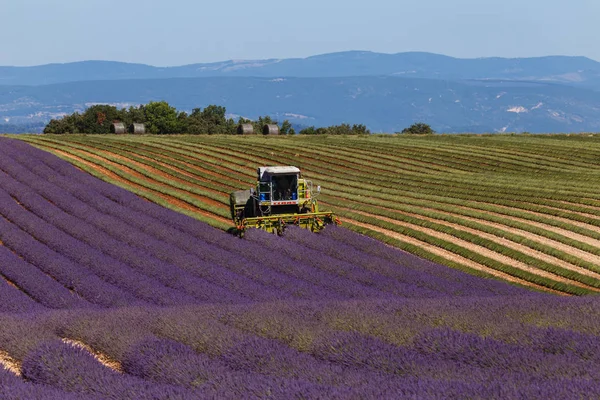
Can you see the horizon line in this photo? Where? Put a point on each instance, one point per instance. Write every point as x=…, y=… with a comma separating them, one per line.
x=243, y=60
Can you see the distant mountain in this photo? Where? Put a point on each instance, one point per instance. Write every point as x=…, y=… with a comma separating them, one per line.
x=386, y=92
x=383, y=103
x=577, y=71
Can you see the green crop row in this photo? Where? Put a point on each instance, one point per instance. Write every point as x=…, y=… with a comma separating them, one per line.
x=174, y=185
x=324, y=169
x=486, y=184
x=485, y=243
x=478, y=258
x=146, y=184
x=469, y=181
x=479, y=226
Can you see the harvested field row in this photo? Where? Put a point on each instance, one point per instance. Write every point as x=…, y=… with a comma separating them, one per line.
x=102, y=247
x=548, y=226
x=124, y=177
x=137, y=301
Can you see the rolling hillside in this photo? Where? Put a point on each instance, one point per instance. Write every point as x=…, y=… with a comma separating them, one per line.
x=105, y=295
x=521, y=208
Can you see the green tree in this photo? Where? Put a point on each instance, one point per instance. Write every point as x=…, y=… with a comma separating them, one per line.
x=56, y=126
x=67, y=124
x=261, y=122
x=360, y=129
x=286, y=128
x=196, y=124
x=161, y=118
x=311, y=130
x=183, y=123
x=134, y=114
x=98, y=119
x=214, y=115
x=419, y=128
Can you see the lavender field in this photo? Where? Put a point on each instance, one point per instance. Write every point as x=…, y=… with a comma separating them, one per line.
x=104, y=295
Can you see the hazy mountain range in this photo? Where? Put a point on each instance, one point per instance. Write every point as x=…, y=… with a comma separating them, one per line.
x=386, y=92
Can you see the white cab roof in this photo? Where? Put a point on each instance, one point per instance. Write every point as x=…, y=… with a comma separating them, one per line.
x=279, y=170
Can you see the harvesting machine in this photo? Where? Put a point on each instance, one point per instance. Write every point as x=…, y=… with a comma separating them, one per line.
x=281, y=197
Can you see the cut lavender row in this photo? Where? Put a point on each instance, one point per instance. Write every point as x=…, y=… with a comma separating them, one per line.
x=73, y=369
x=228, y=252
x=169, y=275
x=68, y=273
x=32, y=281
x=116, y=273
x=130, y=235
x=13, y=300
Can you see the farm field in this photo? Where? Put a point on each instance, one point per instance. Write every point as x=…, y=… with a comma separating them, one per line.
x=520, y=208
x=104, y=295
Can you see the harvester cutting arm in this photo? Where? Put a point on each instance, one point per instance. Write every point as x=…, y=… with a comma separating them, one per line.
x=277, y=223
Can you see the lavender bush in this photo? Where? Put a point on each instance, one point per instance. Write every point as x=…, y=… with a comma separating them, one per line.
x=184, y=311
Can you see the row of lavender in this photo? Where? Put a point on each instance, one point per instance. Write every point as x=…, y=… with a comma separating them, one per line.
x=185, y=311
x=544, y=347
x=73, y=241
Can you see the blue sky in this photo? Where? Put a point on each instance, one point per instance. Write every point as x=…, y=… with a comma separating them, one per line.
x=177, y=32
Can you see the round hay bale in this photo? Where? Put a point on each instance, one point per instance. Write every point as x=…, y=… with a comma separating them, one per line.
x=270, y=129
x=245, y=129
x=137, y=129
x=118, y=128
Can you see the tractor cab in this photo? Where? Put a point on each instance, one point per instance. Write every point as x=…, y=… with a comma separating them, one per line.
x=281, y=197
x=278, y=185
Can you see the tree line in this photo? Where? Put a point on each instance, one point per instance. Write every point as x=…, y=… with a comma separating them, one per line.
x=161, y=118
x=158, y=118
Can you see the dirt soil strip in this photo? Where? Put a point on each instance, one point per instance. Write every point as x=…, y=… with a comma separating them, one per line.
x=157, y=172
x=510, y=244
x=481, y=250
x=454, y=257
x=550, y=216
x=584, y=255
x=201, y=172
x=10, y=283
x=109, y=174
x=582, y=205
x=102, y=358
x=9, y=363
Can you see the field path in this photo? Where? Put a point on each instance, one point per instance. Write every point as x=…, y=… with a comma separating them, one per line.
x=480, y=250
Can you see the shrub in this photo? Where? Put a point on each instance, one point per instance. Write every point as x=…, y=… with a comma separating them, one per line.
x=419, y=128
